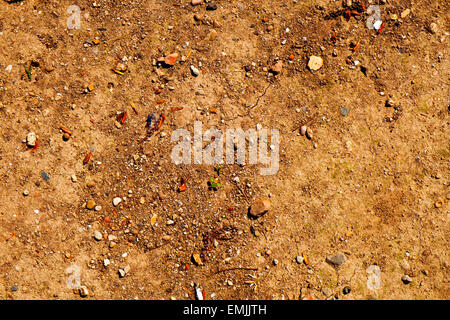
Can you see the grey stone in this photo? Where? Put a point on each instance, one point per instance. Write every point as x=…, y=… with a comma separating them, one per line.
x=336, y=260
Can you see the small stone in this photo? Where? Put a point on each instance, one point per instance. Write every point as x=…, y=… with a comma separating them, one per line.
x=405, y=265
x=197, y=260
x=31, y=139
x=112, y=244
x=14, y=288
x=45, y=176
x=211, y=7
x=254, y=231
x=98, y=235
x=336, y=260
x=142, y=200
x=90, y=184
x=277, y=67
x=84, y=292
x=344, y=111
x=212, y=35
x=26, y=192
x=195, y=72
x=98, y=208
x=394, y=17
x=309, y=133
x=153, y=220
x=405, y=13
x=275, y=262
x=426, y=252
x=389, y=103
x=73, y=178
x=118, y=124
x=121, y=67
x=196, y=2
x=90, y=204
x=171, y=59
x=315, y=63
x=438, y=204
x=106, y=262
x=303, y=130
x=123, y=271
x=346, y=290
x=260, y=207
x=66, y=136
x=406, y=279
x=49, y=68
x=433, y=28
x=377, y=24
x=299, y=259
x=116, y=201
x=90, y=87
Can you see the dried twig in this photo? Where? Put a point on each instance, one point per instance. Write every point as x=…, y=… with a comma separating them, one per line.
x=236, y=268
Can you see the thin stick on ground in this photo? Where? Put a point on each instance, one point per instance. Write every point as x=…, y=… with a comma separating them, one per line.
x=236, y=268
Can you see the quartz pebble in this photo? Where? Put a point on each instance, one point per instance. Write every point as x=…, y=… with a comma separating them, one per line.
x=195, y=72
x=303, y=130
x=116, y=201
x=98, y=235
x=406, y=279
x=31, y=139
x=123, y=271
x=433, y=28
x=315, y=63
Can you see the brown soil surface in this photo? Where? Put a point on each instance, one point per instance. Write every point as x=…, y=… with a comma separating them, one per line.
x=372, y=184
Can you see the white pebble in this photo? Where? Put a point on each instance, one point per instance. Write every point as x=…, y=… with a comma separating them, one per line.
x=195, y=71
x=116, y=201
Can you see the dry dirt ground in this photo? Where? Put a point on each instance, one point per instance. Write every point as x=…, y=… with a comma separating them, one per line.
x=372, y=185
